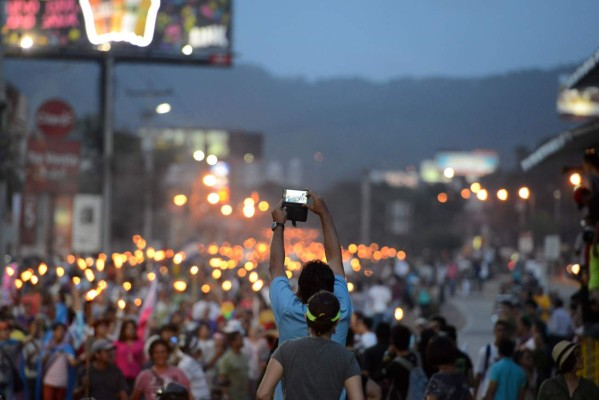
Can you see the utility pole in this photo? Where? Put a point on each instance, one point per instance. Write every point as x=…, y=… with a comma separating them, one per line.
x=4, y=160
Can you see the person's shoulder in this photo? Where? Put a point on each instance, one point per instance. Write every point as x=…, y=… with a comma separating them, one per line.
x=588, y=385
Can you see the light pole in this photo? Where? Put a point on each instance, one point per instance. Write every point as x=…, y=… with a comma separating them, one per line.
x=147, y=145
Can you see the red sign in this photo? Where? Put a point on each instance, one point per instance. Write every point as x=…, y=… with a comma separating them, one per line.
x=55, y=118
x=52, y=166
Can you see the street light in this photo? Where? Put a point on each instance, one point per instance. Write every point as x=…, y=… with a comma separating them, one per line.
x=524, y=193
x=163, y=108
x=482, y=194
x=502, y=194
x=180, y=200
x=575, y=179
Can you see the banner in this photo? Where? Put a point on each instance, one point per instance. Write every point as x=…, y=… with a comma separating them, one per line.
x=52, y=166
x=87, y=226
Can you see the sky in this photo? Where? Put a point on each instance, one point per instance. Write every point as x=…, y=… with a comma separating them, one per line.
x=385, y=39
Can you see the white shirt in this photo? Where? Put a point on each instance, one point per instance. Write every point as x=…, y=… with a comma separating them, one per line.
x=197, y=379
x=560, y=323
x=380, y=297
x=479, y=368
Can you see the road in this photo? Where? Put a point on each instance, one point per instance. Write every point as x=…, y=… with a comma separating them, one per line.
x=475, y=325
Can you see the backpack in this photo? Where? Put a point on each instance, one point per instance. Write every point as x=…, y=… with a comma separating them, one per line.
x=418, y=378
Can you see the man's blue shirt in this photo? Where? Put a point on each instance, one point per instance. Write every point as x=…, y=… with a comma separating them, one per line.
x=290, y=312
x=291, y=319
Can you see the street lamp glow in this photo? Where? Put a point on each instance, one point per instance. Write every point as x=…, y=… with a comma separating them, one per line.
x=180, y=200
x=449, y=173
x=199, y=155
x=398, y=314
x=187, y=50
x=442, y=197
x=249, y=211
x=482, y=194
x=211, y=159
x=524, y=193
x=209, y=180
x=226, y=210
x=227, y=285
x=502, y=194
x=26, y=42
x=475, y=187
x=163, y=108
x=213, y=198
x=575, y=179
x=263, y=206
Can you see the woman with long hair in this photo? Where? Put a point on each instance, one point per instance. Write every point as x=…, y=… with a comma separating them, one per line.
x=448, y=383
x=129, y=352
x=314, y=367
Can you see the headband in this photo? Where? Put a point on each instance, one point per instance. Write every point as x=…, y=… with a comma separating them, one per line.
x=311, y=316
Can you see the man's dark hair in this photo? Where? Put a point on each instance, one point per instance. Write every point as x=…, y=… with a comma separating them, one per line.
x=168, y=327
x=441, y=350
x=506, y=347
x=451, y=332
x=314, y=277
x=526, y=321
x=156, y=343
x=440, y=320
x=383, y=332
x=400, y=337
x=324, y=307
x=231, y=336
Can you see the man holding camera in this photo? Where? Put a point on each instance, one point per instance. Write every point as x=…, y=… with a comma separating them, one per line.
x=289, y=308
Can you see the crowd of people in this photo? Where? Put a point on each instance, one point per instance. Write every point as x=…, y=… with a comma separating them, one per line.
x=300, y=338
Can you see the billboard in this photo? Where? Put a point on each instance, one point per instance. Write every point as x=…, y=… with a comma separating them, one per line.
x=160, y=30
x=578, y=103
x=468, y=163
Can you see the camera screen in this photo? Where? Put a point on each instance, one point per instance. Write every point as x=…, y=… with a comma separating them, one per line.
x=295, y=196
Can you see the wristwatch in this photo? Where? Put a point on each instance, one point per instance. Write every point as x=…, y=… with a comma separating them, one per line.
x=275, y=224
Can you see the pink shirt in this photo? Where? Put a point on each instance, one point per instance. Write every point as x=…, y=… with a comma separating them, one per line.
x=129, y=357
x=148, y=383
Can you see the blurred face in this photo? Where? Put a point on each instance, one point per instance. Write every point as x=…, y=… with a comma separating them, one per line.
x=160, y=355
x=130, y=330
x=500, y=332
x=4, y=331
x=58, y=333
x=204, y=332
x=106, y=356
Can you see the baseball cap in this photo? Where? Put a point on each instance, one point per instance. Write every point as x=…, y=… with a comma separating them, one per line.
x=102, y=344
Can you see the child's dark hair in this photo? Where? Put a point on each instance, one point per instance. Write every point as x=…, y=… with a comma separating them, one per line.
x=323, y=312
x=506, y=347
x=314, y=277
x=400, y=336
x=441, y=350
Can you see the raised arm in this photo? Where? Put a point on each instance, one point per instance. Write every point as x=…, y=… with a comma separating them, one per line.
x=332, y=246
x=277, y=244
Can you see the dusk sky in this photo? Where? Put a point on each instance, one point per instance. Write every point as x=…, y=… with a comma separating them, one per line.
x=383, y=39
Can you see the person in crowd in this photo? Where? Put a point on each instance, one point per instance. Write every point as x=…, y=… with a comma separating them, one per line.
x=314, y=367
x=289, y=308
x=437, y=323
x=463, y=363
x=233, y=368
x=525, y=359
x=425, y=336
x=361, y=326
x=58, y=362
x=129, y=352
x=379, y=298
x=212, y=350
x=567, y=384
x=150, y=380
x=190, y=362
x=256, y=348
x=523, y=330
x=9, y=356
x=102, y=379
x=507, y=380
x=373, y=356
x=32, y=348
x=448, y=383
x=487, y=356
x=394, y=375
x=560, y=322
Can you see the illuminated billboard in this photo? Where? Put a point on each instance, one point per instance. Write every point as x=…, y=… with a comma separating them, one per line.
x=161, y=30
x=579, y=103
x=468, y=163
